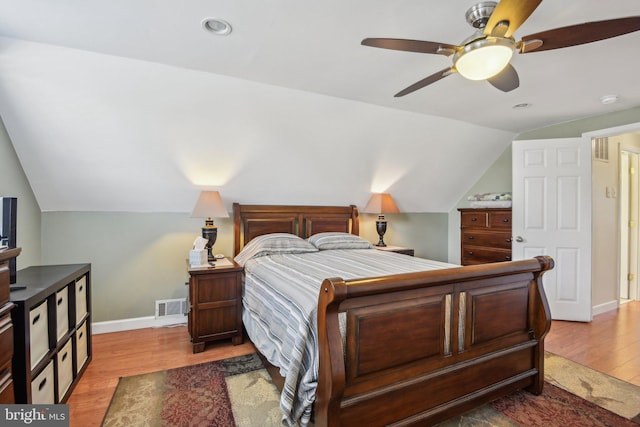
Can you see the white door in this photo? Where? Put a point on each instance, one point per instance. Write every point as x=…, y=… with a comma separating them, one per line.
x=552, y=216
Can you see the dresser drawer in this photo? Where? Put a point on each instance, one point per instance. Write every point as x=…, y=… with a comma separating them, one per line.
x=42, y=391
x=64, y=358
x=6, y=337
x=6, y=385
x=483, y=238
x=39, y=333
x=476, y=255
x=500, y=219
x=473, y=219
x=62, y=312
x=81, y=299
x=4, y=278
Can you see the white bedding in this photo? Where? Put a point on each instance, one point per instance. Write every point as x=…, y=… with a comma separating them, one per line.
x=280, y=310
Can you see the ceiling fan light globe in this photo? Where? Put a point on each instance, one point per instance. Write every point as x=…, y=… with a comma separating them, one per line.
x=483, y=59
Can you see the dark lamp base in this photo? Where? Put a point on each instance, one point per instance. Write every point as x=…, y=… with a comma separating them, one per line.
x=211, y=234
x=381, y=228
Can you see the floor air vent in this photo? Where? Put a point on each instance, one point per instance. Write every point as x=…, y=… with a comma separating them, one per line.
x=171, y=307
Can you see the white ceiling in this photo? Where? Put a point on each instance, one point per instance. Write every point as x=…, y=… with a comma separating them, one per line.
x=130, y=105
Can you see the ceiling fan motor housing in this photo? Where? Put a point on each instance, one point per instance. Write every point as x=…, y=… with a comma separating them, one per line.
x=478, y=15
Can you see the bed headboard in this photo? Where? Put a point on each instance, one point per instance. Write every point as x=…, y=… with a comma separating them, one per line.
x=250, y=221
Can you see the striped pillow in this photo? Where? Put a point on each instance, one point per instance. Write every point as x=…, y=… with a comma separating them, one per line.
x=336, y=240
x=274, y=243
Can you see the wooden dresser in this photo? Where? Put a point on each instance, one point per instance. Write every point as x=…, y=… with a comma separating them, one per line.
x=6, y=328
x=485, y=235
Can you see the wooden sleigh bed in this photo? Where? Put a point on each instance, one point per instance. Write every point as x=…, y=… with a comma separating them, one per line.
x=418, y=348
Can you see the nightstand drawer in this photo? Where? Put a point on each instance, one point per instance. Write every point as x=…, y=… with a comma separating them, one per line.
x=219, y=287
x=216, y=321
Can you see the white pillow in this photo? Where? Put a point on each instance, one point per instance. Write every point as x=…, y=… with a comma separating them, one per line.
x=274, y=243
x=336, y=240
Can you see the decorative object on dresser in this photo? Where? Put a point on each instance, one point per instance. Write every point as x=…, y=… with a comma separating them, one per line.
x=215, y=303
x=381, y=203
x=52, y=340
x=6, y=327
x=485, y=235
x=209, y=205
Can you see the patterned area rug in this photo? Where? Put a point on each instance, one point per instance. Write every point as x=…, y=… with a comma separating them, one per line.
x=239, y=392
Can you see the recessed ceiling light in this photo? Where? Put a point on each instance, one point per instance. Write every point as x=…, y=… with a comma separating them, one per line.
x=523, y=105
x=609, y=99
x=216, y=26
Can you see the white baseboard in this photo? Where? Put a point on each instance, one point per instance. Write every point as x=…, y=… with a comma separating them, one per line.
x=603, y=308
x=136, y=323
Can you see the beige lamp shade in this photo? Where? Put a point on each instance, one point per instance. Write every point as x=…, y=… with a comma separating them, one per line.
x=381, y=203
x=209, y=205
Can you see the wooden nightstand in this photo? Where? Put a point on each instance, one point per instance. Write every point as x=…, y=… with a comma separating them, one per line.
x=215, y=304
x=396, y=249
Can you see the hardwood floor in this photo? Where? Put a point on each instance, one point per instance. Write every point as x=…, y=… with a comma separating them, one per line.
x=610, y=344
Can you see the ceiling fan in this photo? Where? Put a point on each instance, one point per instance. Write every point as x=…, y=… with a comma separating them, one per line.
x=486, y=54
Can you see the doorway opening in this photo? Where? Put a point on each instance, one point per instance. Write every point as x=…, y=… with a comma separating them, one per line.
x=629, y=235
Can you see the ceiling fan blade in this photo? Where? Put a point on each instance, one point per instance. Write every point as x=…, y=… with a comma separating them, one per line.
x=411, y=45
x=579, y=34
x=426, y=81
x=507, y=80
x=511, y=12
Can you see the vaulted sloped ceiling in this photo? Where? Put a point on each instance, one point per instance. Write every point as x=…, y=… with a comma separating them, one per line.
x=132, y=106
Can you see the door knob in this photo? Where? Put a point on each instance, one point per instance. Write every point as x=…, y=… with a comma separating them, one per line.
x=519, y=239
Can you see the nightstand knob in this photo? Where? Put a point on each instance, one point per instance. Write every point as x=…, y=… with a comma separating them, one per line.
x=470, y=252
x=505, y=220
x=508, y=258
x=470, y=237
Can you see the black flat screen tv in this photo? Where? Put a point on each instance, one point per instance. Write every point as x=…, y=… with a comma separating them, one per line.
x=8, y=229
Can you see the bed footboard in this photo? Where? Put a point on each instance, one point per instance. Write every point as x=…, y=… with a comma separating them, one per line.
x=423, y=347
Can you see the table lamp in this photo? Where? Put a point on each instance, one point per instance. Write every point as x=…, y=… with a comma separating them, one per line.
x=209, y=205
x=381, y=203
